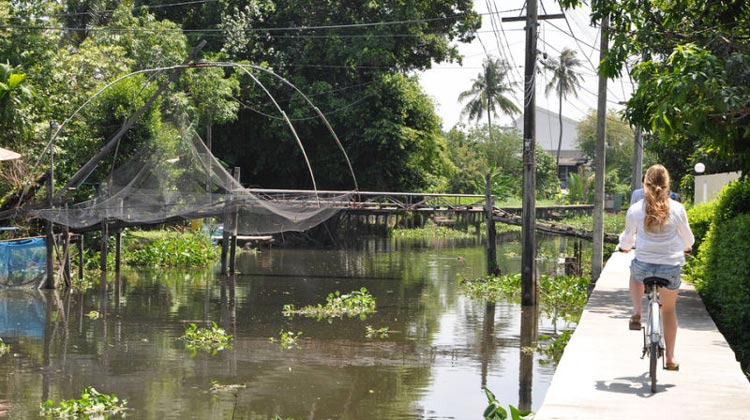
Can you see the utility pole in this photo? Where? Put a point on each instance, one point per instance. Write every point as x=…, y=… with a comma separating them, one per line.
x=637, y=174
x=597, y=253
x=528, y=224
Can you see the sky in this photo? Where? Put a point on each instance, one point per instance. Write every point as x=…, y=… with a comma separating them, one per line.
x=445, y=81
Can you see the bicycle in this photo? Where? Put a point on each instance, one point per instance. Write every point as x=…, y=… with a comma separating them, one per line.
x=653, y=331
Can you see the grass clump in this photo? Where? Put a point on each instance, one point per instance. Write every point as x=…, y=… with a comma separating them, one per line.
x=358, y=303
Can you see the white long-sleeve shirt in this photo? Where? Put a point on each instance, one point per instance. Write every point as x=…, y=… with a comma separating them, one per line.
x=666, y=246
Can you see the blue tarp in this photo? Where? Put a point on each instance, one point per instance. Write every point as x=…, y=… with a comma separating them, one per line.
x=22, y=262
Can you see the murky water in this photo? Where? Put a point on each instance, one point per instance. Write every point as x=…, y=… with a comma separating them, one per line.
x=441, y=349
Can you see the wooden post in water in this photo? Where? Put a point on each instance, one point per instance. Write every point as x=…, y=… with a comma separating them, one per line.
x=491, y=232
x=118, y=249
x=80, y=256
x=50, y=237
x=103, y=247
x=233, y=217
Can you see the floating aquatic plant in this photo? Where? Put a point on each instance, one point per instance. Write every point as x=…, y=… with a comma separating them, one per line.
x=92, y=404
x=211, y=340
x=358, y=303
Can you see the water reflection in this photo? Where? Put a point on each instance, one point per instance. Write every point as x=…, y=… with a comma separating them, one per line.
x=442, y=348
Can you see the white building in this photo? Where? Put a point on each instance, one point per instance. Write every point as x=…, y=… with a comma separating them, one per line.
x=547, y=132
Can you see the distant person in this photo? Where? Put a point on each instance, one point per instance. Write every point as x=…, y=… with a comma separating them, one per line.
x=638, y=194
x=658, y=228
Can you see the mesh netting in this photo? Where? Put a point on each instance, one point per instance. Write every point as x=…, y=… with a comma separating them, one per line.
x=23, y=262
x=176, y=177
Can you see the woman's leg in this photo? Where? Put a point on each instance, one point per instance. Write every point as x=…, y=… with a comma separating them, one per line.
x=669, y=316
x=636, y=296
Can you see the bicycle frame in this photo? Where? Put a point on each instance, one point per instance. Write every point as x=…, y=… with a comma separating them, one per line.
x=653, y=331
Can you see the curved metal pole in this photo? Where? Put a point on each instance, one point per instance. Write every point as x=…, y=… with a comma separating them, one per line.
x=60, y=127
x=325, y=120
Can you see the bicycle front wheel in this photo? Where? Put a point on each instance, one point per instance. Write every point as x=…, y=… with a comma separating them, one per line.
x=653, y=357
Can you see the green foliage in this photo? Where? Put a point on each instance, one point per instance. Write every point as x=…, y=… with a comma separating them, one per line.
x=429, y=231
x=211, y=340
x=186, y=250
x=495, y=411
x=92, y=404
x=15, y=98
x=358, y=303
x=372, y=332
x=489, y=92
x=4, y=348
x=561, y=297
x=580, y=187
x=619, y=138
x=288, y=339
x=733, y=200
x=492, y=288
x=554, y=350
x=700, y=218
x=613, y=222
x=723, y=282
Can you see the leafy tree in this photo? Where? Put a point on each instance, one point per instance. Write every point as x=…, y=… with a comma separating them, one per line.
x=15, y=97
x=619, y=138
x=693, y=82
x=474, y=155
x=565, y=80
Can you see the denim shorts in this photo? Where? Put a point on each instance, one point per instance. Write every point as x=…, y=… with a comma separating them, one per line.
x=640, y=270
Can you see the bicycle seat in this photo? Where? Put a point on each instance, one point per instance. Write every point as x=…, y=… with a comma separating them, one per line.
x=658, y=281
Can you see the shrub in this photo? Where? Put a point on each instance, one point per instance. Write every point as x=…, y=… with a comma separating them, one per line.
x=700, y=218
x=734, y=199
x=724, y=281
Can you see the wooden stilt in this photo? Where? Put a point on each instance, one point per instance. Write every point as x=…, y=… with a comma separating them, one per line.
x=103, y=248
x=81, y=260
x=118, y=249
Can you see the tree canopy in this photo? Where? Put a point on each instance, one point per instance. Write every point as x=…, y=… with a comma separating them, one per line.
x=689, y=60
x=353, y=59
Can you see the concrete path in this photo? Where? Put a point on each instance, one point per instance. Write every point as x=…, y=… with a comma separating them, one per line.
x=602, y=377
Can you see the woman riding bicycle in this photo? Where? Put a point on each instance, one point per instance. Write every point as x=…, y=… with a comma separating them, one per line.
x=659, y=229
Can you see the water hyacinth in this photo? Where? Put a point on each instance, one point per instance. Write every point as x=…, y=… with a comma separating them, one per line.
x=211, y=340
x=358, y=303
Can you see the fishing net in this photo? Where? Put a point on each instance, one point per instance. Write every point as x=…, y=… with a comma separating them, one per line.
x=176, y=177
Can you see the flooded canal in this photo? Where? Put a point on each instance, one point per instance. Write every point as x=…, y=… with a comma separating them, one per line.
x=441, y=348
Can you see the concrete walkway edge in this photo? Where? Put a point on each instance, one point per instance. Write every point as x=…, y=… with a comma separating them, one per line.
x=602, y=377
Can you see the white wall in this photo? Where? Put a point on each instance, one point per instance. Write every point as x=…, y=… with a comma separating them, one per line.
x=708, y=186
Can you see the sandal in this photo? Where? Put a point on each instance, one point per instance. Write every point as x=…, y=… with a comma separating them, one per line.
x=635, y=323
x=673, y=366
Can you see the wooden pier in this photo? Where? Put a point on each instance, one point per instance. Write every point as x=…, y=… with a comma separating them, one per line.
x=601, y=375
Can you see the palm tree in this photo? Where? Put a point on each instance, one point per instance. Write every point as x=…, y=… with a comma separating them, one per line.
x=565, y=80
x=488, y=93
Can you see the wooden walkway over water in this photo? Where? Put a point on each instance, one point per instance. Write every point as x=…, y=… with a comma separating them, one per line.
x=445, y=208
x=601, y=375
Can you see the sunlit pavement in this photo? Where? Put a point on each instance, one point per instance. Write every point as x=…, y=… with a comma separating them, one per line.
x=602, y=377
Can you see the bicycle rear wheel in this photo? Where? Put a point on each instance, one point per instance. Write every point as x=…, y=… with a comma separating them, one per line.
x=653, y=357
